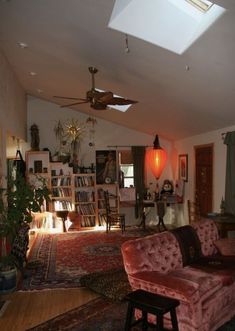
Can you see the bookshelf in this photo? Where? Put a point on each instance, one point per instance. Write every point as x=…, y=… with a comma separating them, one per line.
x=84, y=199
x=61, y=187
x=72, y=192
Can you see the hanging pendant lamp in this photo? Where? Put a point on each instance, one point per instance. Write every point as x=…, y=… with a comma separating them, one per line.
x=157, y=158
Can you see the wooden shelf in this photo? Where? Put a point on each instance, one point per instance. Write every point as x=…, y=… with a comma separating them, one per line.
x=75, y=185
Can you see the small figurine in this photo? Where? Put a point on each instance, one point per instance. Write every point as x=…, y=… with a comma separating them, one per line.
x=167, y=187
x=222, y=206
x=35, y=140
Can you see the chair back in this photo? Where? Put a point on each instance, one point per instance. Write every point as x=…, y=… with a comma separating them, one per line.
x=193, y=212
x=106, y=203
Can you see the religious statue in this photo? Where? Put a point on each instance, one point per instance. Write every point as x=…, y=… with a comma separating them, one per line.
x=35, y=140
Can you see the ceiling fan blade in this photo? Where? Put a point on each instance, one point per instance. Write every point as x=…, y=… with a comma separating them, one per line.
x=74, y=103
x=120, y=101
x=69, y=98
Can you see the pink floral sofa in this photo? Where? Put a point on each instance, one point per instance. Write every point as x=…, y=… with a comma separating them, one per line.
x=206, y=292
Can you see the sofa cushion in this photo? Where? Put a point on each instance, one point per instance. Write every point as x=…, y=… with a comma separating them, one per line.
x=208, y=233
x=165, y=284
x=186, y=284
x=226, y=246
x=207, y=284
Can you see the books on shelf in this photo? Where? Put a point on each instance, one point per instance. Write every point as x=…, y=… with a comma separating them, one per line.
x=101, y=219
x=61, y=181
x=88, y=221
x=86, y=209
x=61, y=192
x=83, y=181
x=62, y=205
x=85, y=196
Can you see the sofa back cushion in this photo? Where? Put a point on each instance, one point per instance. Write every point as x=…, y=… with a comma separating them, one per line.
x=207, y=232
x=189, y=243
x=159, y=252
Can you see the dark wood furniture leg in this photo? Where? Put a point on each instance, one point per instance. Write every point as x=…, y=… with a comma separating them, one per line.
x=150, y=303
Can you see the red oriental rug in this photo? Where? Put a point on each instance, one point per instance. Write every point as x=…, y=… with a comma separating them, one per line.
x=62, y=259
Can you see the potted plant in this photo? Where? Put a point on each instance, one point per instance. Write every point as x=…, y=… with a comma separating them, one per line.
x=17, y=202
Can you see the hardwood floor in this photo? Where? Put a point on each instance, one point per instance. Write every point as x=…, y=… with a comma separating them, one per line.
x=28, y=309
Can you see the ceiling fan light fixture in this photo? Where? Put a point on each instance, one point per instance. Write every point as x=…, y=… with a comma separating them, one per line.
x=22, y=45
x=127, y=49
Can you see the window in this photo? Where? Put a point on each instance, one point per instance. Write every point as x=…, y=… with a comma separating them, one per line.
x=128, y=174
x=126, y=168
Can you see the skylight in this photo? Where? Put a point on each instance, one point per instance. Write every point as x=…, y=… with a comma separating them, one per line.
x=171, y=24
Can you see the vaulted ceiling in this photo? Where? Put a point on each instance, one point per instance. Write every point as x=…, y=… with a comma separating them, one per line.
x=178, y=95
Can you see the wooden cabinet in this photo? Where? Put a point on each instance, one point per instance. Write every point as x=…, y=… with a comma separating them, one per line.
x=72, y=192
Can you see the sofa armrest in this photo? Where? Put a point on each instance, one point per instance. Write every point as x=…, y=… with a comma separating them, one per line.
x=165, y=284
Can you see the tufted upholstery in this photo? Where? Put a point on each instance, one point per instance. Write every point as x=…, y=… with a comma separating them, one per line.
x=154, y=264
x=159, y=252
x=208, y=234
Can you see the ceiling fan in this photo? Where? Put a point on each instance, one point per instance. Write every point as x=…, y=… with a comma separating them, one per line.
x=99, y=100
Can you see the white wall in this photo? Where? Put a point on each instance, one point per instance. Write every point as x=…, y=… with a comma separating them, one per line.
x=186, y=146
x=46, y=116
x=13, y=108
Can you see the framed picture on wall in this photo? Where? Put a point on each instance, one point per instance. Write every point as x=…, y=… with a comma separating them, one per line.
x=106, y=167
x=183, y=167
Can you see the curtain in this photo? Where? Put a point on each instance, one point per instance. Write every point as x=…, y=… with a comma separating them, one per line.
x=138, y=153
x=230, y=173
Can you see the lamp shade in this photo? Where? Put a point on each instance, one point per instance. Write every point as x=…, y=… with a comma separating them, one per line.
x=156, y=158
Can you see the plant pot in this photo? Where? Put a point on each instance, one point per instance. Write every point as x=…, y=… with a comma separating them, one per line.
x=7, y=281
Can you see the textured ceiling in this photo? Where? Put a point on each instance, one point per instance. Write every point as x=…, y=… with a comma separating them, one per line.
x=178, y=95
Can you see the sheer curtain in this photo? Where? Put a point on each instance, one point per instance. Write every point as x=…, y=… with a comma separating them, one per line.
x=138, y=153
x=230, y=173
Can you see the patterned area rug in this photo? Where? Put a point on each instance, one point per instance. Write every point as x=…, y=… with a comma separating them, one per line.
x=100, y=314
x=60, y=260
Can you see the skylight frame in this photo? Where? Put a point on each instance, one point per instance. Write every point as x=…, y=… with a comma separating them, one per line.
x=202, y=5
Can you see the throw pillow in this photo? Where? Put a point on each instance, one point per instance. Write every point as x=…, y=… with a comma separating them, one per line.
x=226, y=246
x=112, y=284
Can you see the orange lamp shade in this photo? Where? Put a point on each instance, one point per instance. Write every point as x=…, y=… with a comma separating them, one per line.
x=156, y=159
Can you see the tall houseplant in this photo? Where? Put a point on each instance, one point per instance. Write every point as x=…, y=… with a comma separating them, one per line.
x=17, y=202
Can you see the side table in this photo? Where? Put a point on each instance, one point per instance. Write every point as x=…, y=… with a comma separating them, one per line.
x=151, y=303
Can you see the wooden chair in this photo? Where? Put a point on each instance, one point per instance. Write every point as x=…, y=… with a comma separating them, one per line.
x=112, y=217
x=193, y=212
x=161, y=210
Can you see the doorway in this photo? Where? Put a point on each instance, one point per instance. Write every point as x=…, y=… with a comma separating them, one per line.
x=204, y=177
